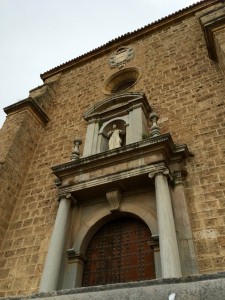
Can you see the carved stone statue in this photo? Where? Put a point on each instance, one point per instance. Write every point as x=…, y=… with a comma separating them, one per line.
x=115, y=141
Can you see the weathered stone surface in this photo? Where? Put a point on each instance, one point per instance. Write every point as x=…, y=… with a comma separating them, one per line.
x=182, y=85
x=205, y=287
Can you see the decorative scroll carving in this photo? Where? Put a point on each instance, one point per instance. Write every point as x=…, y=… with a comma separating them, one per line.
x=68, y=196
x=114, y=198
x=159, y=169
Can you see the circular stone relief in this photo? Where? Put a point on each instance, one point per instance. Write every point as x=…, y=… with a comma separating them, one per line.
x=121, y=81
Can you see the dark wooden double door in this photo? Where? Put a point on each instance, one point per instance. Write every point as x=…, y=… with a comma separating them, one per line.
x=119, y=252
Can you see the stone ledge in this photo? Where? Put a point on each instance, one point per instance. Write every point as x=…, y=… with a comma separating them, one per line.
x=29, y=104
x=198, y=287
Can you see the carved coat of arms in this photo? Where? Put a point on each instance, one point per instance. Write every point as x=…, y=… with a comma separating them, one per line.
x=120, y=57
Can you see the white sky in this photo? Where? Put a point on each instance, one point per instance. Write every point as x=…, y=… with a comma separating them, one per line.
x=37, y=35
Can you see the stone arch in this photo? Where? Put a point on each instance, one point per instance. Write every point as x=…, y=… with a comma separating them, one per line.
x=94, y=220
x=103, y=216
x=120, y=251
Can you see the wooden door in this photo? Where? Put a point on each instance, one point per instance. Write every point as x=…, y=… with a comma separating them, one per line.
x=119, y=252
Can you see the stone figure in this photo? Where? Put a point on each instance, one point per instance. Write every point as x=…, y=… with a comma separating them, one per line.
x=115, y=140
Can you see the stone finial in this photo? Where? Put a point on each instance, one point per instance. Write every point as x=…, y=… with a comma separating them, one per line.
x=76, y=151
x=155, y=128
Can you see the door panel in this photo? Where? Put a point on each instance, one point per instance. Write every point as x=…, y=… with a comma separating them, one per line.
x=119, y=252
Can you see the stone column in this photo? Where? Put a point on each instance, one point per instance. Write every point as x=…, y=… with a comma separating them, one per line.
x=169, y=253
x=54, y=257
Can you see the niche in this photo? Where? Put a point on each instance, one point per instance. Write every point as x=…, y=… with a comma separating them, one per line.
x=128, y=111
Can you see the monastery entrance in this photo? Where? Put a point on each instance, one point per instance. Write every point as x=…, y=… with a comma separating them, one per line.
x=120, y=251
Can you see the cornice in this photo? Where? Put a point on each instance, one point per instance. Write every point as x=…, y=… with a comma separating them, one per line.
x=212, y=21
x=162, y=144
x=129, y=37
x=29, y=104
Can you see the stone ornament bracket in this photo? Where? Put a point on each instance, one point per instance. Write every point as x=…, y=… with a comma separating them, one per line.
x=114, y=199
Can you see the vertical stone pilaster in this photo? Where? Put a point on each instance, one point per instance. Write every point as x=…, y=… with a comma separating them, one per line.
x=187, y=252
x=54, y=257
x=169, y=253
x=90, y=145
x=137, y=124
x=74, y=274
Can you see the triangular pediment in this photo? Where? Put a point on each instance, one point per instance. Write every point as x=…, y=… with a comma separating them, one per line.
x=119, y=105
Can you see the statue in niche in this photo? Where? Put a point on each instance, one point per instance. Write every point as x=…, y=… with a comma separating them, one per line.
x=115, y=140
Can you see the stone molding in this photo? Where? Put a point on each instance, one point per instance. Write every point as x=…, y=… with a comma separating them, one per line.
x=129, y=37
x=76, y=176
x=105, y=179
x=209, y=286
x=117, y=105
x=31, y=105
x=163, y=143
x=211, y=21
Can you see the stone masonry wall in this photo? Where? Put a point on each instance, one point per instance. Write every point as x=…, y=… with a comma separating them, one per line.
x=19, y=130
x=186, y=89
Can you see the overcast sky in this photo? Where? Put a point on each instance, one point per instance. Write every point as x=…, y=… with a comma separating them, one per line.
x=37, y=35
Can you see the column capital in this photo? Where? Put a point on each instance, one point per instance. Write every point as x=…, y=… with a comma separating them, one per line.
x=158, y=169
x=179, y=177
x=67, y=196
x=73, y=255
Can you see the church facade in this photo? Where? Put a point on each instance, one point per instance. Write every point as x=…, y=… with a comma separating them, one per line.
x=112, y=171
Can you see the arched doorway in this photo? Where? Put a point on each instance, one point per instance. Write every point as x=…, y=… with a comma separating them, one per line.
x=120, y=251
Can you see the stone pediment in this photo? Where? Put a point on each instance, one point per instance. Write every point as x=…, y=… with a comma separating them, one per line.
x=117, y=105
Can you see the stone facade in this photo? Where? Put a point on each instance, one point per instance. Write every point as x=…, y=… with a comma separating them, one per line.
x=181, y=73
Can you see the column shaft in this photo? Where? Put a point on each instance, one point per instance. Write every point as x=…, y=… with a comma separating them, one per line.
x=54, y=257
x=170, y=260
